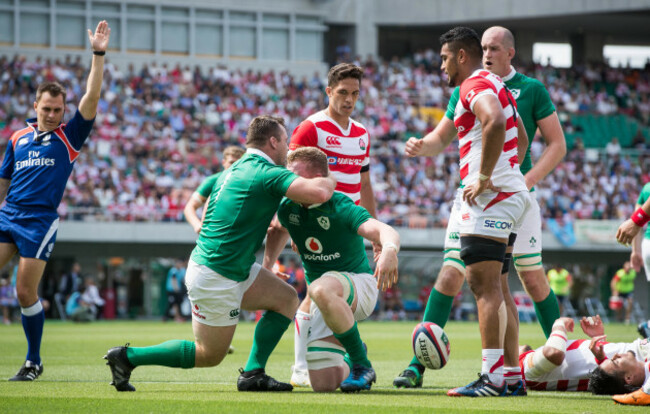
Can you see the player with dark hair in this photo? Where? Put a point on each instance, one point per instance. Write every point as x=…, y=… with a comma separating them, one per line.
x=537, y=111
x=222, y=277
x=494, y=197
x=346, y=143
x=592, y=364
x=33, y=176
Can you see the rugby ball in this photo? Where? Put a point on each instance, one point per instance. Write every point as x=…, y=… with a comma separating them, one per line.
x=430, y=345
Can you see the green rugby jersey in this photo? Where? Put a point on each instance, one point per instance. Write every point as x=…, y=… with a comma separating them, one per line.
x=246, y=197
x=206, y=186
x=326, y=235
x=643, y=197
x=533, y=104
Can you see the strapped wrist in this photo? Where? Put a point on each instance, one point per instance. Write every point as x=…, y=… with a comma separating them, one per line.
x=640, y=217
x=390, y=245
x=99, y=52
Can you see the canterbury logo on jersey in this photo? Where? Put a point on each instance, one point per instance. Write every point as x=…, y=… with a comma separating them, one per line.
x=332, y=140
x=34, y=161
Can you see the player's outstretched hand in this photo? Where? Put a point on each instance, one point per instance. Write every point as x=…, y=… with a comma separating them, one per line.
x=386, y=270
x=472, y=191
x=413, y=147
x=596, y=347
x=626, y=232
x=592, y=326
x=99, y=40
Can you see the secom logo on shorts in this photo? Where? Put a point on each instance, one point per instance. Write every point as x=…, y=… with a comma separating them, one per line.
x=497, y=224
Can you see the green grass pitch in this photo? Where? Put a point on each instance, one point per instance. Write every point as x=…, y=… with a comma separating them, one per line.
x=76, y=379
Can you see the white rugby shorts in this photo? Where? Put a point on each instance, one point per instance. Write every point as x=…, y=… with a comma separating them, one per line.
x=494, y=214
x=452, y=236
x=216, y=300
x=645, y=252
x=529, y=235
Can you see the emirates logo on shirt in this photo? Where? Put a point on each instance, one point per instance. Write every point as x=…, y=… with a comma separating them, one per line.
x=314, y=245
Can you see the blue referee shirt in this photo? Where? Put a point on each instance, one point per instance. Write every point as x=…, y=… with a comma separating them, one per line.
x=39, y=166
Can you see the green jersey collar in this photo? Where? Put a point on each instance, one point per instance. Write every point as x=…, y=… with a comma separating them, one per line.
x=262, y=154
x=510, y=75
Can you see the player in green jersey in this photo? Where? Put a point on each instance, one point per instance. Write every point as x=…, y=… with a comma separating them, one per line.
x=641, y=244
x=222, y=277
x=329, y=238
x=536, y=111
x=230, y=155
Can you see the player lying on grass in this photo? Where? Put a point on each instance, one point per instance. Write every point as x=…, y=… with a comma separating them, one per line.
x=329, y=238
x=583, y=364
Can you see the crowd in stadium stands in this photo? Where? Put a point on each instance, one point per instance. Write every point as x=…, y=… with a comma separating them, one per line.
x=160, y=130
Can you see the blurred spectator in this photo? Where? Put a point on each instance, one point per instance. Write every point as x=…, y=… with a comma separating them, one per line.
x=560, y=281
x=297, y=277
x=162, y=130
x=622, y=286
x=8, y=300
x=69, y=283
x=393, y=307
x=613, y=148
x=85, y=304
x=175, y=287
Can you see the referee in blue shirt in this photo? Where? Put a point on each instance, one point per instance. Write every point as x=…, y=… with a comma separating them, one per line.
x=33, y=176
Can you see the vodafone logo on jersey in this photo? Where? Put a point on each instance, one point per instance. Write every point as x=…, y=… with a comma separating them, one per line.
x=314, y=245
x=333, y=141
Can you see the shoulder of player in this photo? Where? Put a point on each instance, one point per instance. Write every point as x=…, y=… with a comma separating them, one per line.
x=19, y=134
x=646, y=188
x=529, y=82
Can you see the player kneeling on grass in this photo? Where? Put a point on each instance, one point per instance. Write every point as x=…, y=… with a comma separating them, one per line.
x=581, y=365
x=222, y=276
x=329, y=238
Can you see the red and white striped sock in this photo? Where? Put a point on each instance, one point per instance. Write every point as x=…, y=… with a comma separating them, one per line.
x=512, y=375
x=493, y=365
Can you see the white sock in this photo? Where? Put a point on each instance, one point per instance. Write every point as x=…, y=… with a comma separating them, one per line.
x=493, y=365
x=303, y=323
x=512, y=375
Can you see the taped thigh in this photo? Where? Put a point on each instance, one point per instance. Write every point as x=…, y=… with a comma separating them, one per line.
x=323, y=354
x=528, y=262
x=452, y=258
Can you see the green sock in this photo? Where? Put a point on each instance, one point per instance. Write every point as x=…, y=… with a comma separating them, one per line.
x=348, y=361
x=175, y=354
x=437, y=311
x=268, y=333
x=547, y=312
x=352, y=343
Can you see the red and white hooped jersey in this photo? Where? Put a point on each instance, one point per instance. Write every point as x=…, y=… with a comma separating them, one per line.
x=573, y=374
x=506, y=174
x=347, y=150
